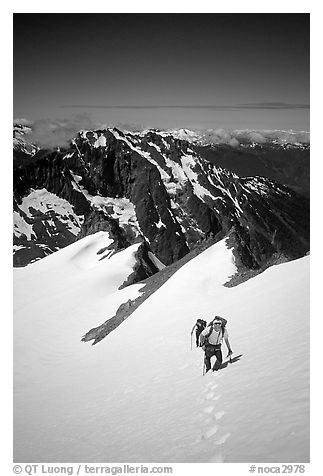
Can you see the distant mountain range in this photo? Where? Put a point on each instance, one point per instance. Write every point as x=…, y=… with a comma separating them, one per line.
x=170, y=190
x=243, y=137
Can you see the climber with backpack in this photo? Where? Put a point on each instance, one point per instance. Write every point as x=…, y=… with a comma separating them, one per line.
x=199, y=326
x=211, y=339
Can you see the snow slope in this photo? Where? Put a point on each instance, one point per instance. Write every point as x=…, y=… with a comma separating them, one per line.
x=139, y=395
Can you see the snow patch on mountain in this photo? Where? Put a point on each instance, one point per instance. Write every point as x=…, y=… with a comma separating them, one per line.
x=44, y=202
x=159, y=265
x=100, y=142
x=121, y=209
x=22, y=228
x=189, y=163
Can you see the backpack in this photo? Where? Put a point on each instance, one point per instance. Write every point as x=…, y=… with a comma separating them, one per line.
x=201, y=325
x=210, y=325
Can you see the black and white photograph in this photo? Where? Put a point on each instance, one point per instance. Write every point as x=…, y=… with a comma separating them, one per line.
x=161, y=240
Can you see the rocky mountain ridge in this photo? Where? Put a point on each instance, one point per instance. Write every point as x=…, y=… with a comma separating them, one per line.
x=155, y=188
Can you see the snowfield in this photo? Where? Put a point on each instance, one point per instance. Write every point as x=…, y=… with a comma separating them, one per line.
x=139, y=395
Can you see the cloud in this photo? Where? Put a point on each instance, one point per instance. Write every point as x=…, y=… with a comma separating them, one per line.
x=218, y=135
x=58, y=133
x=22, y=121
x=233, y=137
x=48, y=133
x=251, y=136
x=234, y=142
x=131, y=127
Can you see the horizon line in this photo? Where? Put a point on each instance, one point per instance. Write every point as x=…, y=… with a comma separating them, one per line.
x=264, y=105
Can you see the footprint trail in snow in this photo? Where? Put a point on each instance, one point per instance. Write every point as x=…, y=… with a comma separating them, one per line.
x=211, y=415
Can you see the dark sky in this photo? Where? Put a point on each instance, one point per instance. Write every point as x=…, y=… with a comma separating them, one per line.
x=164, y=70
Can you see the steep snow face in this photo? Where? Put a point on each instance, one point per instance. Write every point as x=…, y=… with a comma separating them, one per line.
x=139, y=395
x=67, y=293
